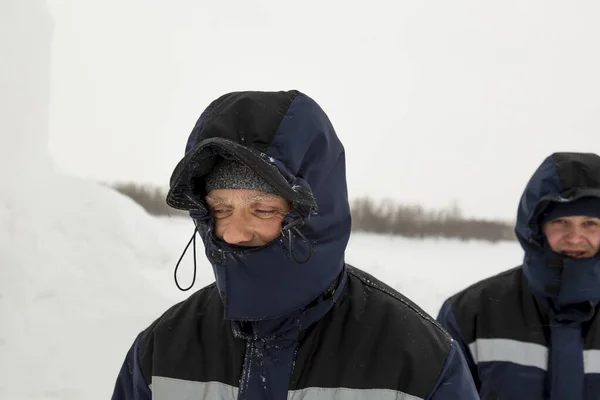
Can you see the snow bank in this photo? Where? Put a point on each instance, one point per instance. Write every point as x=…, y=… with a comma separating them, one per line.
x=71, y=294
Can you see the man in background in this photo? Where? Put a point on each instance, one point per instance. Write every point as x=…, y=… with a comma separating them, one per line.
x=533, y=332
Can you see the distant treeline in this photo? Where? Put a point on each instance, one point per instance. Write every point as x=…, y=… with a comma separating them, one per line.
x=385, y=217
x=391, y=218
x=151, y=198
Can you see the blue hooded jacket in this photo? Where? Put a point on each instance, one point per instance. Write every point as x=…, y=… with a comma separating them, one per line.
x=534, y=332
x=274, y=298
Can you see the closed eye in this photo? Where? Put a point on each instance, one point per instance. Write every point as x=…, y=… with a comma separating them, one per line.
x=267, y=212
x=220, y=212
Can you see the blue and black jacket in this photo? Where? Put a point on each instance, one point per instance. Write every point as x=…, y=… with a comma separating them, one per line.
x=288, y=320
x=533, y=332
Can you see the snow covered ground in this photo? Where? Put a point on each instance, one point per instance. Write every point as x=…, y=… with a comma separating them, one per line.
x=72, y=257
x=89, y=272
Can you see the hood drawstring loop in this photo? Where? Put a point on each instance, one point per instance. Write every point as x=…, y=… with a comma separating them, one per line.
x=192, y=239
x=292, y=228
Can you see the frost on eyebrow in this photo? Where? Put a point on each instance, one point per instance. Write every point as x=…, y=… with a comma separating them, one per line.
x=242, y=200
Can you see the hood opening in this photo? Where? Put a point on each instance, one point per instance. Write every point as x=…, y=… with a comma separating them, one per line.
x=188, y=183
x=545, y=202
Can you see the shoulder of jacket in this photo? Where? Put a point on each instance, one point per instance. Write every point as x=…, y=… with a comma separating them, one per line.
x=489, y=289
x=184, y=309
x=401, y=307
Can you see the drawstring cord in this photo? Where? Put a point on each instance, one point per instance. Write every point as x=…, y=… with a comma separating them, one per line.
x=193, y=239
x=292, y=228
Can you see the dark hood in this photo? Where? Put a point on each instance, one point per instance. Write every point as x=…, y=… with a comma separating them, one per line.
x=562, y=177
x=287, y=139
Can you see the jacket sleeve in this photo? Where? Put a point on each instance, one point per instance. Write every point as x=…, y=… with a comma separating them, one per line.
x=131, y=383
x=448, y=321
x=455, y=381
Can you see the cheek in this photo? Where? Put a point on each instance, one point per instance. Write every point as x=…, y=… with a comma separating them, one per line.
x=269, y=229
x=595, y=240
x=219, y=227
x=553, y=237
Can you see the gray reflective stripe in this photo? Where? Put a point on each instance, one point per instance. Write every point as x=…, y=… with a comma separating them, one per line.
x=522, y=353
x=179, y=389
x=315, y=393
x=591, y=361
x=507, y=350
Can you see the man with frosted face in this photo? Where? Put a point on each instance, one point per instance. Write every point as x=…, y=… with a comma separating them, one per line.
x=533, y=332
x=264, y=181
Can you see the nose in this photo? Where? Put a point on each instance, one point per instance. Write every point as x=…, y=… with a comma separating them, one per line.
x=237, y=231
x=574, y=236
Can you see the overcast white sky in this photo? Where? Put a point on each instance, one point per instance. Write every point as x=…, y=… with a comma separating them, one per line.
x=434, y=101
